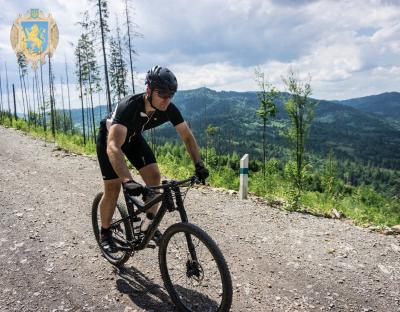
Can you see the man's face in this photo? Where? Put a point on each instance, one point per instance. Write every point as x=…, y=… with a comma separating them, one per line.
x=161, y=99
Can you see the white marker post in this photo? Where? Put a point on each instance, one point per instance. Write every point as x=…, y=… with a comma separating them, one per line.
x=244, y=176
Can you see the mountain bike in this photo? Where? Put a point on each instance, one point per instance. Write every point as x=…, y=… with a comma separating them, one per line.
x=193, y=269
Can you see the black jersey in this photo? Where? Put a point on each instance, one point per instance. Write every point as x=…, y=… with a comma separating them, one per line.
x=130, y=112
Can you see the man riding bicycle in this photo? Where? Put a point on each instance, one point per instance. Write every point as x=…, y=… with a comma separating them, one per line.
x=121, y=134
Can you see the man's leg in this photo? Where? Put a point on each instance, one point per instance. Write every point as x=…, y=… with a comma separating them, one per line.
x=151, y=176
x=109, y=201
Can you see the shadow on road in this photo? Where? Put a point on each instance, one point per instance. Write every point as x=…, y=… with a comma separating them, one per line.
x=151, y=296
x=142, y=291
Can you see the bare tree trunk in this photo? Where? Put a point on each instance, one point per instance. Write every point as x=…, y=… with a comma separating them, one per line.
x=91, y=103
x=121, y=63
x=44, y=102
x=99, y=106
x=264, y=147
x=22, y=91
x=56, y=112
x=27, y=96
x=34, y=101
x=15, y=104
x=37, y=94
x=1, y=95
x=69, y=99
x=128, y=22
x=89, y=121
x=63, y=106
x=8, y=93
x=53, y=129
x=105, y=59
x=205, y=129
x=80, y=86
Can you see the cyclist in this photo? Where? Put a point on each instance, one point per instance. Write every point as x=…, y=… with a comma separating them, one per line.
x=121, y=134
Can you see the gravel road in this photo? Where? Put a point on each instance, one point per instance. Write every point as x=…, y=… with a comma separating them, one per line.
x=280, y=261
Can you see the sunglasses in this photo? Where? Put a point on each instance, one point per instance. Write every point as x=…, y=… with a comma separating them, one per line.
x=165, y=94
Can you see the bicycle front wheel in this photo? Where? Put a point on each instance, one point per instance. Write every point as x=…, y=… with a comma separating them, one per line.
x=121, y=230
x=194, y=270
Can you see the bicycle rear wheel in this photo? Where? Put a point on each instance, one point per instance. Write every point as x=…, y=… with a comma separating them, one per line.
x=121, y=231
x=194, y=285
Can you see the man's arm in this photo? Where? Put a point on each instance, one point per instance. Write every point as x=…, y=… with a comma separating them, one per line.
x=116, y=138
x=191, y=145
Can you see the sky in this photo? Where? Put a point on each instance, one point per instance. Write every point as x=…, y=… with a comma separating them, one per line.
x=349, y=48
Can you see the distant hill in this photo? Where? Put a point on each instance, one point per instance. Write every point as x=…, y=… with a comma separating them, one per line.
x=352, y=129
x=351, y=133
x=385, y=105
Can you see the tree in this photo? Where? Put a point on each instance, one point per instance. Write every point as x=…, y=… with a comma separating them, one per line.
x=79, y=74
x=71, y=126
x=34, y=102
x=8, y=92
x=52, y=103
x=300, y=109
x=210, y=132
x=118, y=69
x=131, y=33
x=43, y=101
x=267, y=97
x=89, y=69
x=38, y=100
x=1, y=99
x=65, y=125
x=329, y=176
x=102, y=25
x=22, y=69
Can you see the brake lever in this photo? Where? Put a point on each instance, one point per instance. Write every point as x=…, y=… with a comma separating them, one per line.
x=147, y=192
x=196, y=180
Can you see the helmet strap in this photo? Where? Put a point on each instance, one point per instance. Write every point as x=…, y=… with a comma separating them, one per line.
x=150, y=99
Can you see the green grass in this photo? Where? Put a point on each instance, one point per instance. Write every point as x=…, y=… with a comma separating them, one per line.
x=67, y=141
x=364, y=205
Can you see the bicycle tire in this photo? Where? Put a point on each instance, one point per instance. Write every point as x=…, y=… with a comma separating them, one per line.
x=120, y=257
x=196, y=297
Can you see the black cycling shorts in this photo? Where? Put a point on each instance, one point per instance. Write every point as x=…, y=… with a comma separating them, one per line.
x=137, y=151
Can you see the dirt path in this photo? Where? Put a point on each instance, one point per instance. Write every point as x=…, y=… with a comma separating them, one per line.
x=280, y=261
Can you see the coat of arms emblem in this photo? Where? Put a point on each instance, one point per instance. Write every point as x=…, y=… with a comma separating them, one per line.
x=35, y=35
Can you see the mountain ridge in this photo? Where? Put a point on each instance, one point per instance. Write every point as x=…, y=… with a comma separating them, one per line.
x=351, y=133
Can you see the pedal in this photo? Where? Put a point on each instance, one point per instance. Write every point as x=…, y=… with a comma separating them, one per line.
x=124, y=248
x=122, y=245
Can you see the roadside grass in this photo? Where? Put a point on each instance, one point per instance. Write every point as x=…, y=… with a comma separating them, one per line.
x=364, y=206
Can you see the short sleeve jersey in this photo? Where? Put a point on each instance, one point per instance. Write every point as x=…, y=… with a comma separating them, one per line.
x=130, y=112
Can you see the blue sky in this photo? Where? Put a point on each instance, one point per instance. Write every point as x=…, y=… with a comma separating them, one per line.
x=350, y=48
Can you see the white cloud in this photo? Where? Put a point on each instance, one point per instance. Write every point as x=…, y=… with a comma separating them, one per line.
x=350, y=48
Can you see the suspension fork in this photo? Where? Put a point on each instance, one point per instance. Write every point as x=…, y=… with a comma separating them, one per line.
x=179, y=204
x=184, y=218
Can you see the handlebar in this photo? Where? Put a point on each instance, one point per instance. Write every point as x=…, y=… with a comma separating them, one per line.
x=151, y=190
x=193, y=180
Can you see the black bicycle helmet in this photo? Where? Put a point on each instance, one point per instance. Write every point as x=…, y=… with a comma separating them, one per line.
x=161, y=78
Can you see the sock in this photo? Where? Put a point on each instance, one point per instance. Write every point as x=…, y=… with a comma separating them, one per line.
x=104, y=231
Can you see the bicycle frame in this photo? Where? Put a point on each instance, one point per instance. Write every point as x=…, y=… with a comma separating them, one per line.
x=167, y=204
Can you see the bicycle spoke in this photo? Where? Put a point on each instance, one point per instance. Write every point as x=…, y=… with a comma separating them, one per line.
x=119, y=224
x=200, y=290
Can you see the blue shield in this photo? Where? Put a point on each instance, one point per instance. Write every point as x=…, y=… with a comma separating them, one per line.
x=36, y=35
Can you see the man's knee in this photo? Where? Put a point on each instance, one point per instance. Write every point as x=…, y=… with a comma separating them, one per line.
x=151, y=174
x=111, y=189
x=155, y=177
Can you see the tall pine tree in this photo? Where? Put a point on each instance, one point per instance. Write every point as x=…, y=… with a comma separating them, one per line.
x=118, y=68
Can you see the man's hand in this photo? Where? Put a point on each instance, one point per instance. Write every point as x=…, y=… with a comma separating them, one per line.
x=132, y=188
x=201, y=172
